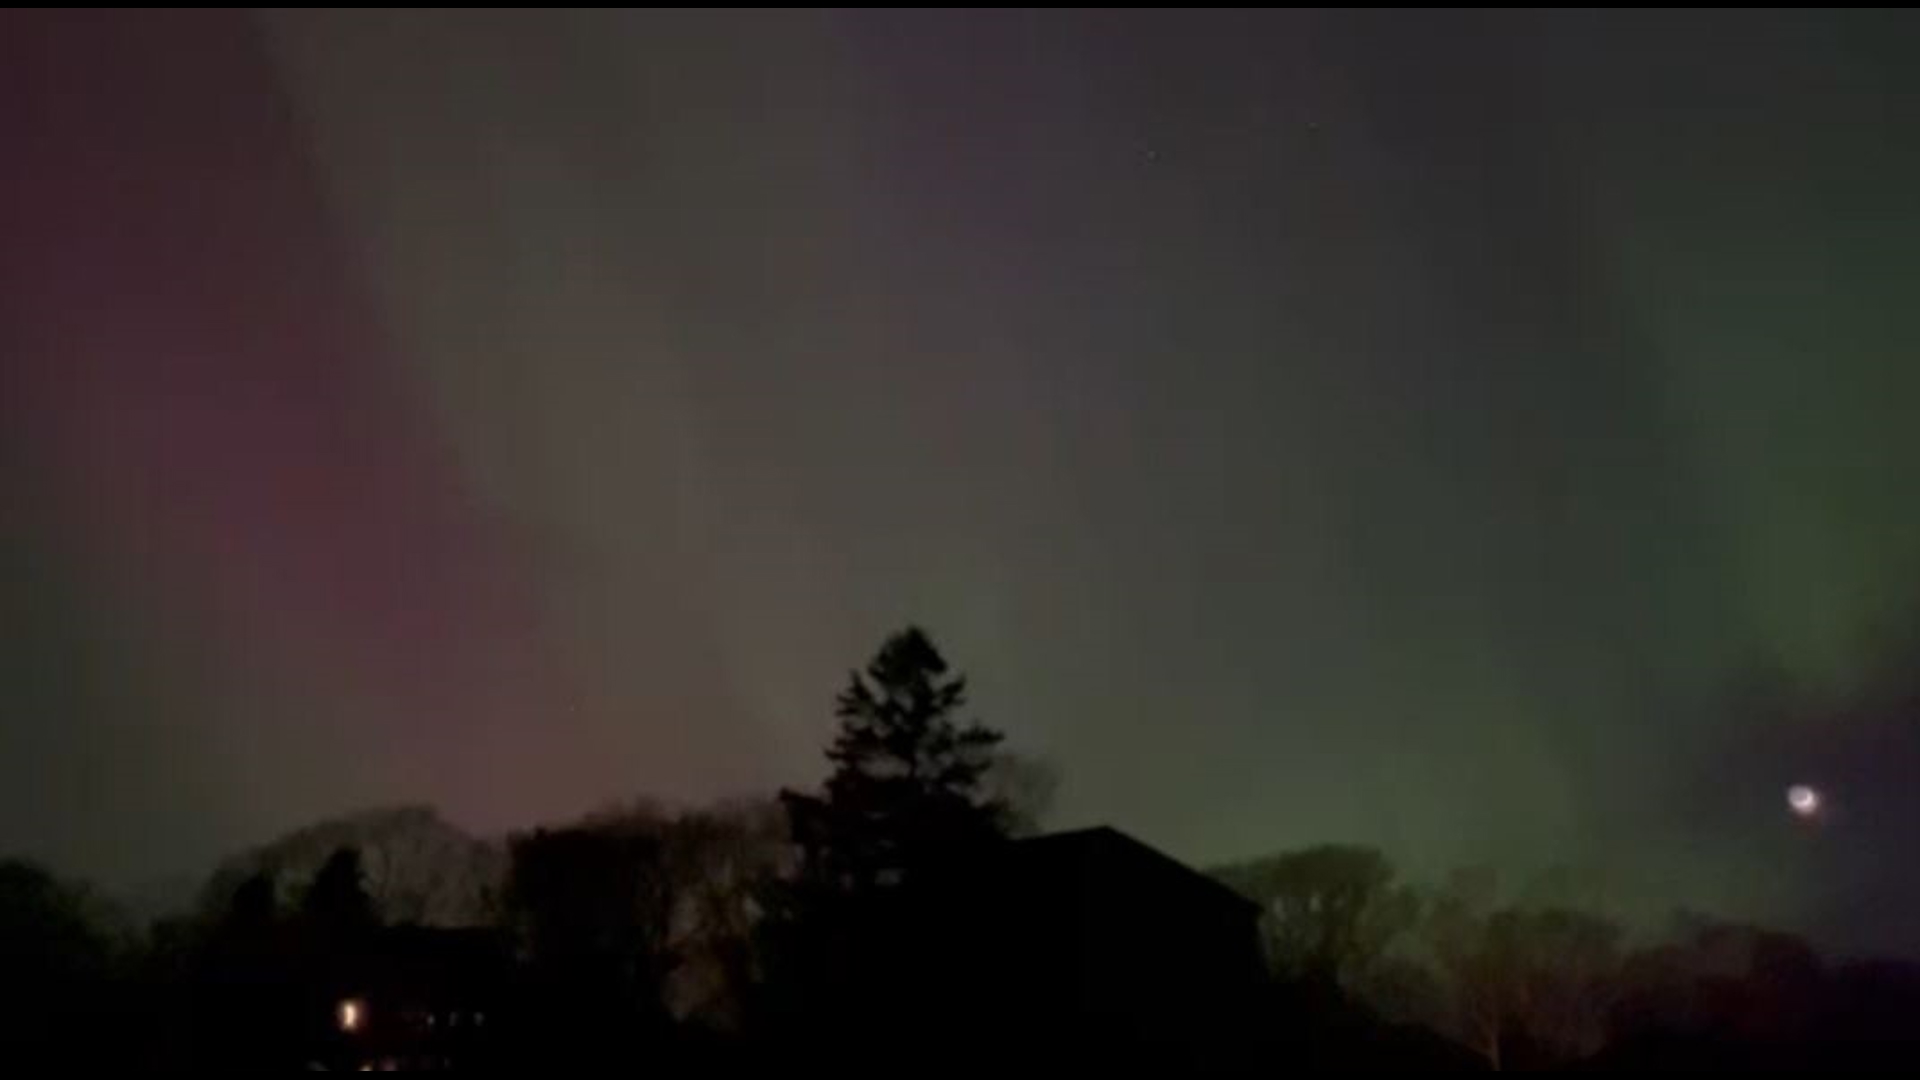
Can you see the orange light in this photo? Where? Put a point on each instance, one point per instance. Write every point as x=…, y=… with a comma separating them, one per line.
x=352, y=1014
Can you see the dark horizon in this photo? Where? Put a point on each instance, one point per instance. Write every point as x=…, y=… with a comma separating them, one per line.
x=910, y=902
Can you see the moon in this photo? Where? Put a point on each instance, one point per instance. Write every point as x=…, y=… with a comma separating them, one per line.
x=1803, y=800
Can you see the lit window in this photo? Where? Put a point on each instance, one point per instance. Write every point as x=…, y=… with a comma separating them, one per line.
x=352, y=1014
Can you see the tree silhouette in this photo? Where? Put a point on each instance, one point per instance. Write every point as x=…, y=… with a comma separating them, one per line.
x=592, y=909
x=691, y=886
x=56, y=967
x=418, y=868
x=843, y=951
x=1023, y=790
x=1328, y=911
x=336, y=903
x=907, y=775
x=723, y=861
x=46, y=931
x=1538, y=980
x=253, y=907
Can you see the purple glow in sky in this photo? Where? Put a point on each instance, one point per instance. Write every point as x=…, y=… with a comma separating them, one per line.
x=1411, y=429
x=212, y=407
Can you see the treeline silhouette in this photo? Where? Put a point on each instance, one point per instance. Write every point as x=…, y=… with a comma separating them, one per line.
x=903, y=914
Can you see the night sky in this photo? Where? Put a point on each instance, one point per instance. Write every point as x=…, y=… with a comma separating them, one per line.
x=1477, y=435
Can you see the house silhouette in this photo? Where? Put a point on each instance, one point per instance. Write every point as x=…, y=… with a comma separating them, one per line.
x=1086, y=944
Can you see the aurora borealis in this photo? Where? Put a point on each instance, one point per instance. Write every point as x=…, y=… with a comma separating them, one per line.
x=1469, y=434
